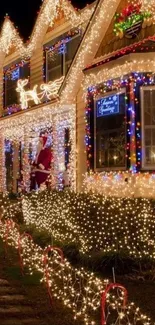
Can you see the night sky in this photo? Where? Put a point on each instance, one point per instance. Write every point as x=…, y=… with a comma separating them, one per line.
x=23, y=13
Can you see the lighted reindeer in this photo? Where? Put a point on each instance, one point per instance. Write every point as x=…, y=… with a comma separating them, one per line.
x=26, y=96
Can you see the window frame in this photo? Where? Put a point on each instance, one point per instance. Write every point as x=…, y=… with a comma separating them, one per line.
x=4, y=82
x=143, y=164
x=96, y=169
x=63, y=60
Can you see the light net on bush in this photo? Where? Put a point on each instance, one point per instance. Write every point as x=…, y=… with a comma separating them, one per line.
x=88, y=296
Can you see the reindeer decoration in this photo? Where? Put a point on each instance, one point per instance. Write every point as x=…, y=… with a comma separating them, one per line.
x=26, y=96
x=49, y=90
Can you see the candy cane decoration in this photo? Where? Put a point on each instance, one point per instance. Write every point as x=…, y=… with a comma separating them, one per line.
x=10, y=224
x=104, y=297
x=46, y=271
x=20, y=249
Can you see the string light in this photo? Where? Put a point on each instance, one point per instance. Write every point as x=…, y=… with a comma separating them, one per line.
x=70, y=217
x=121, y=184
x=56, y=116
x=131, y=82
x=48, y=91
x=78, y=289
x=120, y=70
x=48, y=13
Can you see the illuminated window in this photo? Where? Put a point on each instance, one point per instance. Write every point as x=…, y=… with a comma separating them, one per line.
x=59, y=55
x=148, y=127
x=11, y=76
x=110, y=131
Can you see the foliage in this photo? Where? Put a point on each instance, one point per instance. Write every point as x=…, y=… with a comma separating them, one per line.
x=94, y=231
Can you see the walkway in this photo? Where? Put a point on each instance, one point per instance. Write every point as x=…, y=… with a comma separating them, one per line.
x=15, y=309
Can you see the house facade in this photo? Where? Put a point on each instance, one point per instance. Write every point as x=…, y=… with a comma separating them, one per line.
x=86, y=78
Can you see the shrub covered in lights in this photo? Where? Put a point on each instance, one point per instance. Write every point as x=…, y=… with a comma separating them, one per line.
x=9, y=206
x=93, y=222
x=88, y=297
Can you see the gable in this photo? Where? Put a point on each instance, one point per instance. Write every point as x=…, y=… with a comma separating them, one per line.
x=59, y=21
x=52, y=14
x=111, y=42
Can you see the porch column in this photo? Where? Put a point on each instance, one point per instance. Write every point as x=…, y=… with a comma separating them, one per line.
x=81, y=146
x=26, y=163
x=59, y=151
x=15, y=165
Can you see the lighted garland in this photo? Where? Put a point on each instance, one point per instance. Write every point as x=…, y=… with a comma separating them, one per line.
x=131, y=16
x=56, y=116
x=132, y=120
x=77, y=289
x=94, y=222
x=121, y=184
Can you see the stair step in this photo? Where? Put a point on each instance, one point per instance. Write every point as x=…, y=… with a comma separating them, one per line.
x=9, y=290
x=16, y=321
x=13, y=299
x=4, y=282
x=18, y=311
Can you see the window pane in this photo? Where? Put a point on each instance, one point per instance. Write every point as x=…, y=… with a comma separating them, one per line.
x=11, y=78
x=54, y=65
x=110, y=132
x=71, y=49
x=149, y=127
x=59, y=58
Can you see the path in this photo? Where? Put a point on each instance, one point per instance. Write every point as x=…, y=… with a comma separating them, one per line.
x=15, y=309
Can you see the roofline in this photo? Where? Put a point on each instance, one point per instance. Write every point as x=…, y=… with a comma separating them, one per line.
x=76, y=54
x=107, y=57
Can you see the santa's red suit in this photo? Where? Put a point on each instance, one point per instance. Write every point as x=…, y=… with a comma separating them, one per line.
x=42, y=162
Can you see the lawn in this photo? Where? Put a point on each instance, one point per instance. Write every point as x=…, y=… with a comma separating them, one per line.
x=99, y=234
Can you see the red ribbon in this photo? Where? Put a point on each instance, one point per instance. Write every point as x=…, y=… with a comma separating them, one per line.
x=104, y=297
x=46, y=270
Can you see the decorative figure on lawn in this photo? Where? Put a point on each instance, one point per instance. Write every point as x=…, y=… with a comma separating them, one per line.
x=42, y=164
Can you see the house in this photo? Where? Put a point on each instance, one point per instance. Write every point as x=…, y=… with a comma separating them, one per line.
x=100, y=58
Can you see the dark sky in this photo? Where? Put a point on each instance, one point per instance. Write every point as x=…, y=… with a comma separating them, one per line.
x=24, y=12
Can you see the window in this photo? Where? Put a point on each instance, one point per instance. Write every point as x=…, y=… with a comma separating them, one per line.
x=110, y=131
x=11, y=76
x=60, y=54
x=148, y=127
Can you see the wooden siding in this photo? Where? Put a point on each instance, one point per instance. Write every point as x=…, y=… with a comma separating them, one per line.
x=36, y=67
x=112, y=43
x=81, y=149
x=1, y=91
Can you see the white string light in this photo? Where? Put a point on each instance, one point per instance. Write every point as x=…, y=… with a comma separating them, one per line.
x=48, y=13
x=78, y=289
x=55, y=116
x=48, y=91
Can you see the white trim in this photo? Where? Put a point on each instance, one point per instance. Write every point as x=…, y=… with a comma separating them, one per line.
x=142, y=89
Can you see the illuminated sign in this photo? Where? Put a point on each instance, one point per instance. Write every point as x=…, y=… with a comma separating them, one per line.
x=15, y=75
x=107, y=105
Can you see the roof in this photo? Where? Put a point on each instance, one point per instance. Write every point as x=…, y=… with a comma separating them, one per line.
x=9, y=35
x=145, y=45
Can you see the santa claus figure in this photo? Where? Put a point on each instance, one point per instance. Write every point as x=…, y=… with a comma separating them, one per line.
x=42, y=163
